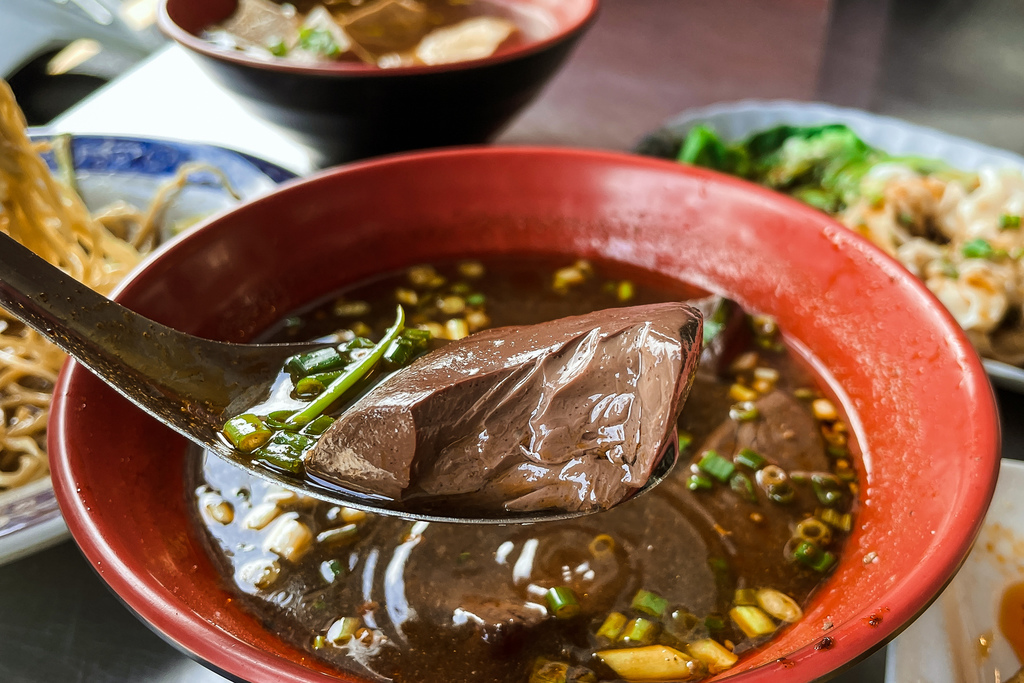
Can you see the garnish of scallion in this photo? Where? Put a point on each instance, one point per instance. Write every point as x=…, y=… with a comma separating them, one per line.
x=344, y=382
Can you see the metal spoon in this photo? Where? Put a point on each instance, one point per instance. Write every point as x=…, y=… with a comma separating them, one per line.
x=189, y=384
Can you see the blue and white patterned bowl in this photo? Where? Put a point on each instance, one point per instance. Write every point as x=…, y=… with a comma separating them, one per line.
x=133, y=170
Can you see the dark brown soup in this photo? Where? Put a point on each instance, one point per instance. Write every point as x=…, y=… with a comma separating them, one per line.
x=675, y=584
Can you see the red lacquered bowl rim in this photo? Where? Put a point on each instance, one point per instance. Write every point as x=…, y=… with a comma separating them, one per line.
x=353, y=69
x=904, y=600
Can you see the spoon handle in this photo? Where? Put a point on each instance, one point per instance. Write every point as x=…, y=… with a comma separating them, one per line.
x=151, y=364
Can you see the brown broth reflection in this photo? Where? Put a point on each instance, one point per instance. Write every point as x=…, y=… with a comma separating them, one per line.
x=707, y=566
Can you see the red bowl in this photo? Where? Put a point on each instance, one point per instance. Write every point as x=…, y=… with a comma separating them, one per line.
x=350, y=110
x=915, y=390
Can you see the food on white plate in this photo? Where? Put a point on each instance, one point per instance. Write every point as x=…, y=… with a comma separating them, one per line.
x=960, y=232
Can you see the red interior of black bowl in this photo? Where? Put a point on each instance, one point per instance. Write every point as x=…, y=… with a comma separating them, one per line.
x=914, y=388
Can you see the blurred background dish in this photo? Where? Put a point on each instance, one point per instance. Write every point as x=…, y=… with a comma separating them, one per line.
x=970, y=635
x=348, y=110
x=735, y=121
x=55, y=53
x=109, y=169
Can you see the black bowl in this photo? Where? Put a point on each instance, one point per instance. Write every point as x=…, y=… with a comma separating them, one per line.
x=346, y=110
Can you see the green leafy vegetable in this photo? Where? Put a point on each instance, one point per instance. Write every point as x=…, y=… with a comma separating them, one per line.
x=977, y=248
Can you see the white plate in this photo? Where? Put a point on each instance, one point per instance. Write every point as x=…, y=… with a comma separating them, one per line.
x=942, y=646
x=737, y=120
x=132, y=169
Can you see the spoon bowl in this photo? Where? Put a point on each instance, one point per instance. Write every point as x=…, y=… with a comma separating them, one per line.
x=193, y=385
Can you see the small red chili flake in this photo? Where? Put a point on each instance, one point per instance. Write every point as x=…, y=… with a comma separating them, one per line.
x=825, y=643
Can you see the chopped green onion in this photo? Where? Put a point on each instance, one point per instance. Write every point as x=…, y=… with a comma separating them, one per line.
x=603, y=544
x=640, y=631
x=948, y=269
x=711, y=330
x=977, y=248
x=745, y=411
x=326, y=378
x=307, y=387
x=247, y=432
x=358, y=343
x=715, y=655
x=352, y=375
x=749, y=458
x=562, y=602
x=823, y=563
x=318, y=426
x=837, y=451
x=342, y=630
x=476, y=299
x=278, y=420
x=745, y=596
x=775, y=483
x=278, y=48
x=806, y=552
x=649, y=603
x=613, y=626
x=318, y=41
x=284, y=450
x=319, y=643
x=779, y=605
x=399, y=353
x=752, y=620
x=812, y=556
x=321, y=360
x=741, y=484
x=814, y=530
x=714, y=622
x=624, y=291
x=410, y=344
x=330, y=570
x=1009, y=222
x=781, y=493
x=685, y=439
x=716, y=322
x=827, y=496
x=831, y=517
x=715, y=465
x=804, y=394
x=698, y=482
x=416, y=335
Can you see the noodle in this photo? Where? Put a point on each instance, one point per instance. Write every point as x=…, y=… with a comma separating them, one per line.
x=49, y=217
